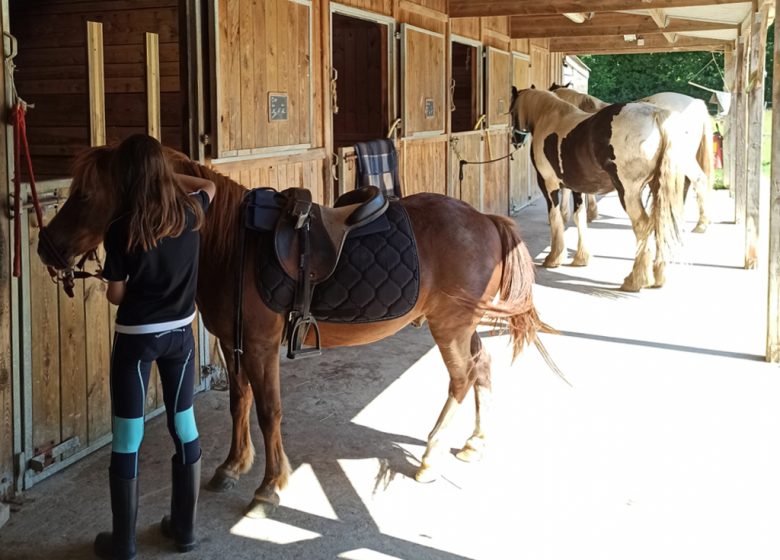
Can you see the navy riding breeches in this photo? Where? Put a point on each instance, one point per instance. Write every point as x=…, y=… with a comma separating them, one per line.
x=131, y=364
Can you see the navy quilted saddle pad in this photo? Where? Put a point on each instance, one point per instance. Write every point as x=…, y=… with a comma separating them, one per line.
x=377, y=277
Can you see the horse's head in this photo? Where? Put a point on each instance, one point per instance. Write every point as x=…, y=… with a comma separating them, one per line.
x=520, y=128
x=81, y=223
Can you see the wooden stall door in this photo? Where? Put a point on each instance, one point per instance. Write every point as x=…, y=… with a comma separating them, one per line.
x=423, y=149
x=495, y=176
x=466, y=146
x=520, y=168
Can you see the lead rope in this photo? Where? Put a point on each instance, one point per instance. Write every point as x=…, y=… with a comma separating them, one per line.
x=19, y=124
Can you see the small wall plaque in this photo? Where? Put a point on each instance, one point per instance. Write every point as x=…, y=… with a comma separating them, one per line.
x=430, y=110
x=501, y=108
x=277, y=106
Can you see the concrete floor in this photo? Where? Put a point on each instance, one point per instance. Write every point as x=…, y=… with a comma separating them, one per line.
x=664, y=447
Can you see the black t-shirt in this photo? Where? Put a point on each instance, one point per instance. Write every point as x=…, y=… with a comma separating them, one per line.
x=160, y=282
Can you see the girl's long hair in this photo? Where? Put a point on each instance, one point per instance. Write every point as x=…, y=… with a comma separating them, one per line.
x=151, y=197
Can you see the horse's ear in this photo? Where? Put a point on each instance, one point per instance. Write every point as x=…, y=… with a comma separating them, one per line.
x=514, y=91
x=568, y=85
x=533, y=86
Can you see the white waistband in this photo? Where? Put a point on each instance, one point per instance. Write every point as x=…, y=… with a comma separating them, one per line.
x=154, y=327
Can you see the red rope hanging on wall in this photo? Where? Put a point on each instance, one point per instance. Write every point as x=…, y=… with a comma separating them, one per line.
x=19, y=123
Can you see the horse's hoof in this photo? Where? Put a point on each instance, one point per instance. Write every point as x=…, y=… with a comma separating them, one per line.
x=470, y=455
x=262, y=508
x=222, y=482
x=701, y=227
x=630, y=287
x=425, y=474
x=550, y=262
x=580, y=261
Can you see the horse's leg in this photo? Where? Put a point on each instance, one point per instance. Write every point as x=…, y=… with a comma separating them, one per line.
x=565, y=196
x=456, y=352
x=242, y=452
x=701, y=184
x=261, y=363
x=557, y=246
x=474, y=448
x=640, y=274
x=582, y=256
x=593, y=208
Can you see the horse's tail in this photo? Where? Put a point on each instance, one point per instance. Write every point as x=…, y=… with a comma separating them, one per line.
x=667, y=186
x=515, y=301
x=704, y=155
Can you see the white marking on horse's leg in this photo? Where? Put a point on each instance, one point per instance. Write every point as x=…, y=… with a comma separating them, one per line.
x=565, y=195
x=640, y=273
x=434, y=438
x=557, y=246
x=582, y=256
x=593, y=207
x=702, y=186
x=474, y=447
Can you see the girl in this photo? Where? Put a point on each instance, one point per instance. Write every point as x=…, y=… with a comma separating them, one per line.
x=151, y=266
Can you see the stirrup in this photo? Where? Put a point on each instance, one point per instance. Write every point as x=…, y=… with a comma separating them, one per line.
x=296, y=336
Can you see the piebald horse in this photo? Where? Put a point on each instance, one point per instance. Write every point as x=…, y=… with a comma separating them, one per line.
x=623, y=147
x=470, y=265
x=690, y=121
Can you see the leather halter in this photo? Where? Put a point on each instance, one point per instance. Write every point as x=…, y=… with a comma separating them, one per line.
x=62, y=272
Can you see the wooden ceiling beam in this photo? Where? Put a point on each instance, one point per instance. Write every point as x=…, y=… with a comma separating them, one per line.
x=662, y=21
x=488, y=8
x=617, y=45
x=522, y=27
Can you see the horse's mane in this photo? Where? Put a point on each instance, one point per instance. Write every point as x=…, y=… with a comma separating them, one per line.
x=90, y=168
x=586, y=102
x=539, y=102
x=219, y=230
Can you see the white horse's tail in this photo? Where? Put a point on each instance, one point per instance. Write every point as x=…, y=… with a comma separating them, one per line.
x=704, y=155
x=667, y=186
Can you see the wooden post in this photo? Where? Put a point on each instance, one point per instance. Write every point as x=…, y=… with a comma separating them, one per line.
x=729, y=73
x=739, y=126
x=773, y=302
x=97, y=96
x=755, y=120
x=153, y=85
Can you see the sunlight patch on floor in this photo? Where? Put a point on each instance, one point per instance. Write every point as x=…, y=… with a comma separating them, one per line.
x=272, y=531
x=366, y=554
x=304, y=493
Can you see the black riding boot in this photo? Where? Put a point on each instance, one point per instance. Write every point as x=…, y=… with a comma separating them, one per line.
x=120, y=543
x=180, y=525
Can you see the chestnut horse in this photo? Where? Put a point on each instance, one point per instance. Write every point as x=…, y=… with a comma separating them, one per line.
x=623, y=147
x=693, y=133
x=466, y=259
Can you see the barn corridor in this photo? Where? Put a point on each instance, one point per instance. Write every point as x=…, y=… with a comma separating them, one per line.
x=664, y=445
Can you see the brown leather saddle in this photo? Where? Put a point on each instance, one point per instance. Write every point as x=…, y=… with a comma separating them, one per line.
x=308, y=239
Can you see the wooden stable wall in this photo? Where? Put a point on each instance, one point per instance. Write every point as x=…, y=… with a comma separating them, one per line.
x=52, y=72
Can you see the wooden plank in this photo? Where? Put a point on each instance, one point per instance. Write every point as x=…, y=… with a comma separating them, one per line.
x=466, y=146
x=248, y=87
x=739, y=128
x=46, y=383
x=496, y=176
x=424, y=165
x=604, y=24
x=284, y=50
x=773, y=303
x=271, y=67
x=617, y=44
x=755, y=119
x=73, y=374
x=98, y=357
x=97, y=109
x=485, y=8
x=153, y=85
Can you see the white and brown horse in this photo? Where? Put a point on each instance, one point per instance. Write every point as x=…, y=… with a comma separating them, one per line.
x=623, y=147
x=691, y=125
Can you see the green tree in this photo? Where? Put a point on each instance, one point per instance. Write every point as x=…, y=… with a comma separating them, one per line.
x=626, y=77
